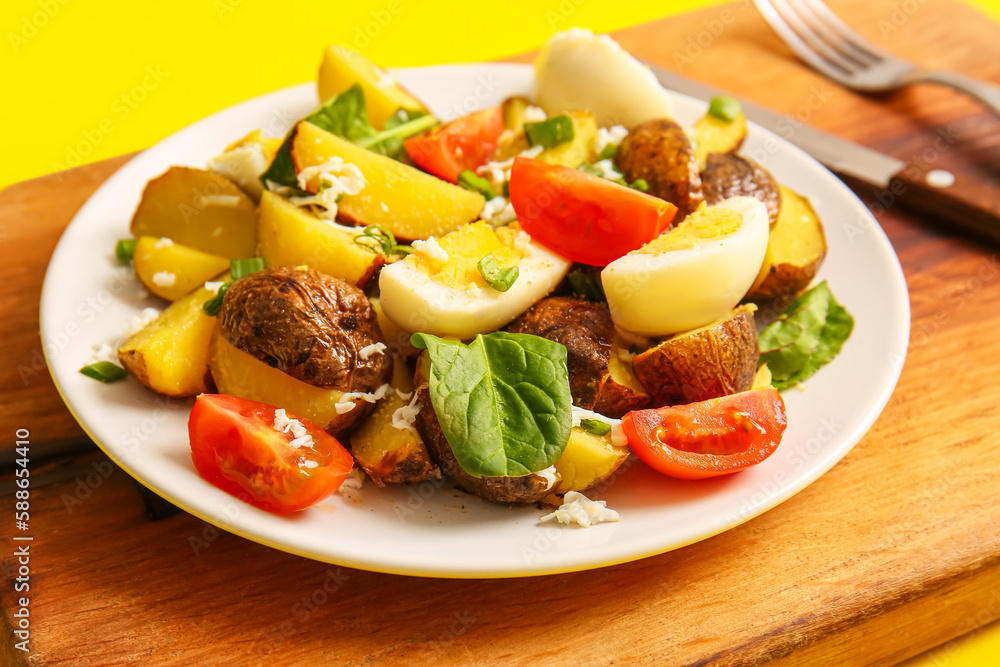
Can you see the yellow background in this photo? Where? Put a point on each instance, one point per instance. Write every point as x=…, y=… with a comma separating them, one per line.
x=85, y=80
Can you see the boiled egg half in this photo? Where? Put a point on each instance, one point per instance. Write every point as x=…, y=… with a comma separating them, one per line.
x=691, y=275
x=440, y=290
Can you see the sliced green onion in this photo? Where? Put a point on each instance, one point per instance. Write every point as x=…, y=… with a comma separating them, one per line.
x=499, y=279
x=211, y=307
x=240, y=268
x=724, y=107
x=608, y=152
x=506, y=189
x=125, y=249
x=402, y=131
x=377, y=239
x=595, y=426
x=468, y=180
x=105, y=371
x=548, y=133
x=639, y=184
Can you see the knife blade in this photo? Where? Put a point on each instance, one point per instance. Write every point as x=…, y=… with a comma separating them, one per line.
x=968, y=204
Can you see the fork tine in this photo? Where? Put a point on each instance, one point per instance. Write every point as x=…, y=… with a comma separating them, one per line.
x=812, y=14
x=803, y=40
x=862, y=47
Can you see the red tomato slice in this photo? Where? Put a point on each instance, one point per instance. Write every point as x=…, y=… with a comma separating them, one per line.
x=235, y=447
x=464, y=143
x=714, y=437
x=584, y=218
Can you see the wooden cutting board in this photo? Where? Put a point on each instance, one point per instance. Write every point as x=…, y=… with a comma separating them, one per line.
x=893, y=551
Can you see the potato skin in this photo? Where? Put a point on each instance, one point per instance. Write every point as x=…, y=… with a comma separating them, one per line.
x=660, y=152
x=729, y=175
x=709, y=363
x=307, y=324
x=504, y=490
x=585, y=328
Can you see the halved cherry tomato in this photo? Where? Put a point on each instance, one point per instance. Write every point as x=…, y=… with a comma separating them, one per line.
x=582, y=217
x=714, y=437
x=464, y=143
x=236, y=447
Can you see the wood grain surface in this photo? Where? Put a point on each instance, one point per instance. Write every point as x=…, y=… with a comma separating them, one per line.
x=895, y=550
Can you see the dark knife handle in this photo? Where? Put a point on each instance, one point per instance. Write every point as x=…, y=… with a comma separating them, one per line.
x=964, y=202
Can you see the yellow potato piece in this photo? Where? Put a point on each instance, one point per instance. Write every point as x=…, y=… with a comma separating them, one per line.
x=289, y=236
x=717, y=135
x=200, y=209
x=190, y=268
x=170, y=355
x=342, y=68
x=570, y=154
x=387, y=453
x=795, y=250
x=587, y=460
x=403, y=200
x=238, y=374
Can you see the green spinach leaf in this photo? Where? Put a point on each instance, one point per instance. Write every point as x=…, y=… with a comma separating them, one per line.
x=503, y=401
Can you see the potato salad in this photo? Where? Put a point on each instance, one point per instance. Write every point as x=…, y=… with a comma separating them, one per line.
x=519, y=299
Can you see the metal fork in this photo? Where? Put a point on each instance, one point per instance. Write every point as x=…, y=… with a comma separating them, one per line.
x=829, y=45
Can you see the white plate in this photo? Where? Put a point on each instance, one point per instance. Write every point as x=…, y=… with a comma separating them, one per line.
x=432, y=529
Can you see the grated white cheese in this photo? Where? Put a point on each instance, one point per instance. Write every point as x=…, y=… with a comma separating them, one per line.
x=607, y=170
x=163, y=242
x=368, y=350
x=385, y=207
x=218, y=200
x=430, y=249
x=214, y=285
x=498, y=211
x=522, y=241
x=283, y=424
x=164, y=279
x=608, y=136
x=336, y=178
x=499, y=172
x=403, y=417
x=243, y=165
x=385, y=79
x=581, y=510
x=534, y=114
x=102, y=352
x=347, y=401
x=549, y=475
x=618, y=438
x=137, y=323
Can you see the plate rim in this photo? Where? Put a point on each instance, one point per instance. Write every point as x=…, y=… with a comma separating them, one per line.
x=885, y=249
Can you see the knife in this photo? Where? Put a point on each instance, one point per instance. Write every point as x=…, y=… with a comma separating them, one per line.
x=968, y=204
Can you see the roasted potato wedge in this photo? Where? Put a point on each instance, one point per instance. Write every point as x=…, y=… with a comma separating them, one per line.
x=289, y=236
x=238, y=374
x=570, y=154
x=795, y=250
x=728, y=175
x=620, y=391
x=400, y=198
x=660, y=152
x=717, y=135
x=506, y=490
x=199, y=209
x=390, y=450
x=171, y=270
x=341, y=68
x=588, y=460
x=315, y=329
x=170, y=355
x=715, y=360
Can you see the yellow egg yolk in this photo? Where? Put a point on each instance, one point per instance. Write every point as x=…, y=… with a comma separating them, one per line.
x=703, y=225
x=465, y=247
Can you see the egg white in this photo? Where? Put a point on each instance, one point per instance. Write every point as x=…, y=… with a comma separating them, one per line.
x=680, y=290
x=577, y=69
x=417, y=302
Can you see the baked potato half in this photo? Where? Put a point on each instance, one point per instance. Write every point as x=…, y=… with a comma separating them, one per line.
x=796, y=248
x=660, y=152
x=712, y=361
x=314, y=328
x=505, y=490
x=718, y=135
x=598, y=378
x=729, y=175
